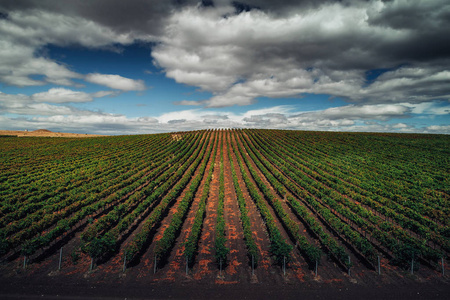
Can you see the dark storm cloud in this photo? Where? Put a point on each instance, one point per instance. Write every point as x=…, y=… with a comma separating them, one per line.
x=282, y=6
x=428, y=23
x=147, y=15
x=242, y=50
x=287, y=48
x=123, y=16
x=415, y=15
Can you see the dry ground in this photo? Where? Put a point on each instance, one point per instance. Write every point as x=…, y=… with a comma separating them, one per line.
x=45, y=133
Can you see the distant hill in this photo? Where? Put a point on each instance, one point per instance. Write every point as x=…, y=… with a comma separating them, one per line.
x=44, y=133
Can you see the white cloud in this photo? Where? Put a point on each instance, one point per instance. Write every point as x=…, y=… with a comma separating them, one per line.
x=190, y=115
x=69, y=119
x=25, y=33
x=430, y=108
x=188, y=102
x=37, y=104
x=285, y=116
x=283, y=49
x=400, y=126
x=18, y=63
x=61, y=95
x=353, y=112
x=439, y=129
x=116, y=82
x=322, y=50
x=101, y=94
x=280, y=109
x=37, y=27
x=94, y=123
x=276, y=51
x=228, y=100
x=24, y=105
x=43, y=109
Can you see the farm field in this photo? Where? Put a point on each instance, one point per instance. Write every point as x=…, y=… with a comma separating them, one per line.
x=219, y=208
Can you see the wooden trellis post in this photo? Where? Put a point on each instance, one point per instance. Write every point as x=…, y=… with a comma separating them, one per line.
x=316, y=267
x=60, y=258
x=124, y=263
x=253, y=265
x=349, y=265
x=379, y=266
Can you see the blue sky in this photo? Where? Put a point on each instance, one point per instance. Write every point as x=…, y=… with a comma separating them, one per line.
x=161, y=66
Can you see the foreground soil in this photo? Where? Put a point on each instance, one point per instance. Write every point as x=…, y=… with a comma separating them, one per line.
x=43, y=280
x=57, y=287
x=45, y=133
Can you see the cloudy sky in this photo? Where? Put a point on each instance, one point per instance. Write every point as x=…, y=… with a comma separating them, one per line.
x=128, y=67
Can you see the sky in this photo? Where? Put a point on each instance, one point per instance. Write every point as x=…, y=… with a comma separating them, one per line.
x=135, y=67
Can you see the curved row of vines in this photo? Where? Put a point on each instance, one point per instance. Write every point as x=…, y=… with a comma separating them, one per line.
x=370, y=194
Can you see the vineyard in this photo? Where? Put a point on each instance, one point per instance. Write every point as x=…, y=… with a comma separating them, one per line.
x=227, y=206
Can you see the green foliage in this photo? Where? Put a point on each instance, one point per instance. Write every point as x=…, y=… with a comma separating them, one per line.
x=252, y=249
x=191, y=244
x=387, y=191
x=4, y=246
x=221, y=251
x=329, y=195
x=278, y=247
x=173, y=191
x=28, y=248
x=100, y=246
x=165, y=244
x=75, y=257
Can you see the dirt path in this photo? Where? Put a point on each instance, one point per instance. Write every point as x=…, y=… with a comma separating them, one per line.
x=328, y=270
x=147, y=260
x=298, y=267
x=359, y=272
x=259, y=231
x=237, y=266
x=112, y=266
x=205, y=263
x=332, y=270
x=175, y=270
